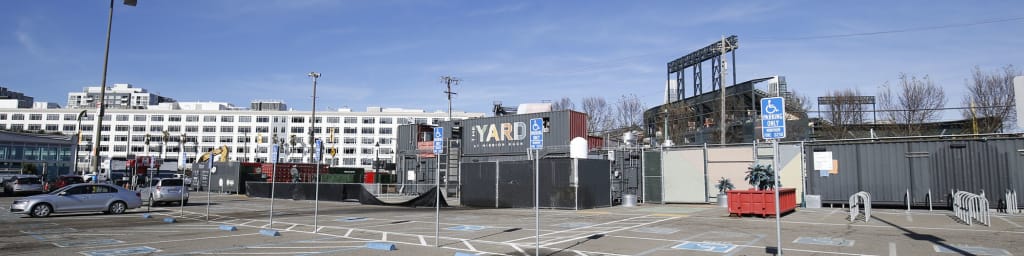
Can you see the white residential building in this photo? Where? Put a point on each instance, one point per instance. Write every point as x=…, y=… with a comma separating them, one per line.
x=248, y=134
x=120, y=96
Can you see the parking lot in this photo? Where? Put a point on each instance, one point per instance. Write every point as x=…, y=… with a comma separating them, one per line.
x=345, y=228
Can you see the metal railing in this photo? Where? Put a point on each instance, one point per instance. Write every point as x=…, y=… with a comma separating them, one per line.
x=969, y=207
x=855, y=201
x=1011, y=202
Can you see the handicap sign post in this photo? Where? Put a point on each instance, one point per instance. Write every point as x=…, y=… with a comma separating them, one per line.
x=536, y=143
x=438, y=149
x=773, y=127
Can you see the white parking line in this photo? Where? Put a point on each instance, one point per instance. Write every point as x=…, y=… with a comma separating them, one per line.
x=519, y=249
x=1011, y=222
x=384, y=236
x=348, y=233
x=172, y=241
x=892, y=249
x=423, y=241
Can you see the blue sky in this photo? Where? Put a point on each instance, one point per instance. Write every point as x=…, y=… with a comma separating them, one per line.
x=392, y=53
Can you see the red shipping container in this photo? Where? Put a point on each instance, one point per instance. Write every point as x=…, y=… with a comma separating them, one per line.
x=368, y=177
x=761, y=202
x=307, y=172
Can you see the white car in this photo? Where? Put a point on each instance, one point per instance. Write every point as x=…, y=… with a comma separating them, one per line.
x=82, y=197
x=164, y=191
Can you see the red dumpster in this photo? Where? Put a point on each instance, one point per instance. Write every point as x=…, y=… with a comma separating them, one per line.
x=761, y=202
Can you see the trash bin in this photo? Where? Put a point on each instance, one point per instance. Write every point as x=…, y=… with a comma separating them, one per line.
x=628, y=200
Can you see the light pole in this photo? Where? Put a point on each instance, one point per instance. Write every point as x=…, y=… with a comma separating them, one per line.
x=312, y=120
x=376, y=162
x=78, y=134
x=94, y=163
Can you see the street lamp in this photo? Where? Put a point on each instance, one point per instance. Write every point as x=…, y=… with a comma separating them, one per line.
x=78, y=134
x=376, y=162
x=94, y=163
x=312, y=120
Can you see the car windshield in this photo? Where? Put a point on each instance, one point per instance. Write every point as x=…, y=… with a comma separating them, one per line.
x=171, y=182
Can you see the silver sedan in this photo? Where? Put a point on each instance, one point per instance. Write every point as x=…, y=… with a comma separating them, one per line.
x=83, y=197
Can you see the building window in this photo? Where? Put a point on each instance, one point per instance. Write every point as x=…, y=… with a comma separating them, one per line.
x=317, y=129
x=35, y=117
x=297, y=130
x=348, y=151
x=52, y=117
x=244, y=129
x=437, y=121
x=367, y=151
x=368, y=141
x=333, y=120
x=385, y=120
x=138, y=138
x=244, y=119
x=227, y=129
x=319, y=119
x=35, y=127
x=139, y=128
x=227, y=119
x=140, y=118
x=387, y=151
x=67, y=117
x=348, y=161
x=262, y=119
x=367, y=130
x=298, y=119
x=386, y=130
x=121, y=138
x=350, y=140
x=120, y=148
x=122, y=118
x=105, y=128
x=209, y=139
x=209, y=118
x=209, y=129
x=51, y=127
x=156, y=128
x=86, y=127
x=191, y=128
x=173, y=128
x=366, y=161
x=17, y=117
x=420, y=120
x=69, y=127
x=368, y=120
x=121, y=128
x=225, y=139
x=385, y=141
x=351, y=120
x=192, y=118
x=262, y=129
x=174, y=118
x=156, y=118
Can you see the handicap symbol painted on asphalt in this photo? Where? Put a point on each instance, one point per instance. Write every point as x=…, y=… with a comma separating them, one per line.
x=122, y=251
x=705, y=247
x=466, y=228
x=976, y=250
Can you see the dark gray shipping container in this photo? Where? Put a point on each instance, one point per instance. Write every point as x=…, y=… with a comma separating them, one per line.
x=888, y=170
x=509, y=135
x=564, y=184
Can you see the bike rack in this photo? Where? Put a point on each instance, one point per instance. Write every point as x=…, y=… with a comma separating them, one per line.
x=969, y=207
x=1011, y=202
x=855, y=201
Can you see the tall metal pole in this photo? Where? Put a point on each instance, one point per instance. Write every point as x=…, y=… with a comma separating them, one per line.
x=449, y=81
x=376, y=163
x=437, y=200
x=94, y=163
x=536, y=201
x=78, y=135
x=775, y=179
x=274, y=153
x=721, y=92
x=312, y=120
x=184, y=188
x=316, y=201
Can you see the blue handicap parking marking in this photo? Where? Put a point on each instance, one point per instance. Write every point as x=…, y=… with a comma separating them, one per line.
x=573, y=224
x=705, y=247
x=81, y=243
x=352, y=219
x=122, y=251
x=467, y=228
x=975, y=250
x=824, y=241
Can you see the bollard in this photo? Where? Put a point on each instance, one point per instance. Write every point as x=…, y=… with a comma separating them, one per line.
x=228, y=228
x=169, y=220
x=381, y=246
x=464, y=254
x=269, y=232
x=147, y=216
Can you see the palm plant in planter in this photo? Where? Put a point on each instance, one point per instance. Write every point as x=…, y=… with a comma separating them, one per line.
x=723, y=186
x=761, y=177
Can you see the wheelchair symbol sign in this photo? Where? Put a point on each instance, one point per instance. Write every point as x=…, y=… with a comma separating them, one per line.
x=536, y=126
x=438, y=133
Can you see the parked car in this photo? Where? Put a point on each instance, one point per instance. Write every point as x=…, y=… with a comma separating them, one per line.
x=65, y=180
x=82, y=197
x=164, y=191
x=24, y=184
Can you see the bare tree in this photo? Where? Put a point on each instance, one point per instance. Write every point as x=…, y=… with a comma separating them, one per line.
x=842, y=108
x=798, y=105
x=600, y=116
x=629, y=111
x=678, y=118
x=990, y=99
x=912, y=103
x=563, y=104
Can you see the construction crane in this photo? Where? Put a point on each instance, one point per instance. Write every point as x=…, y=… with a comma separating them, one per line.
x=222, y=151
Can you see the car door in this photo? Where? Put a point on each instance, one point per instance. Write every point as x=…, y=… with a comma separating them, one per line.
x=100, y=197
x=72, y=200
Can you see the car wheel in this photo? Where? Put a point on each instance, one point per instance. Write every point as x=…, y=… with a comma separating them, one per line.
x=117, y=207
x=41, y=210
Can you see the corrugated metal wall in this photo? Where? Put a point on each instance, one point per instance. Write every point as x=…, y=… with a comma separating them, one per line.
x=888, y=170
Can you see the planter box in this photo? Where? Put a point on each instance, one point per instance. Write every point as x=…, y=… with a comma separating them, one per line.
x=761, y=202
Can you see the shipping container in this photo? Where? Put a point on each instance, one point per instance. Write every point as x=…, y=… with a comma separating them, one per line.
x=509, y=135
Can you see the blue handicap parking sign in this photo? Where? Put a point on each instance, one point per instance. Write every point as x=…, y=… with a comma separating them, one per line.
x=536, y=125
x=773, y=118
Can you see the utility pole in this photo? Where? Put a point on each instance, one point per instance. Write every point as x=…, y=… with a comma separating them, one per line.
x=721, y=93
x=448, y=81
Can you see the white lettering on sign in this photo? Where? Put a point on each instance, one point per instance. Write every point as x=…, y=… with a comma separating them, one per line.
x=772, y=116
x=502, y=132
